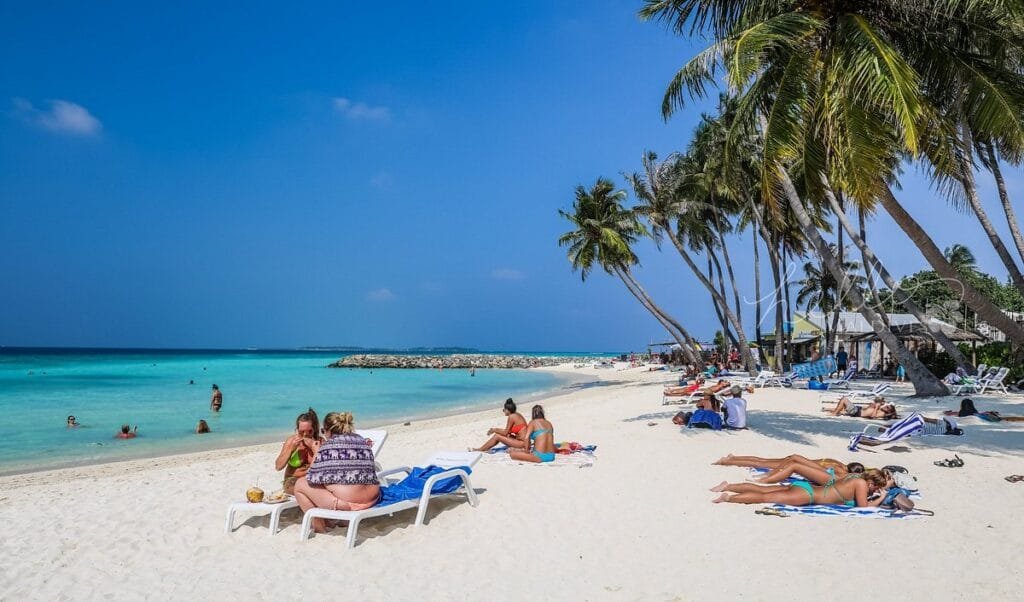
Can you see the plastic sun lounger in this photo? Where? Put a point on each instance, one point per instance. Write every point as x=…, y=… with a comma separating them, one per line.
x=994, y=382
x=906, y=427
x=378, y=437
x=449, y=460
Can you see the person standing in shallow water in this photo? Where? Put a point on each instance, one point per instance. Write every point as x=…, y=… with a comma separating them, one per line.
x=217, y=399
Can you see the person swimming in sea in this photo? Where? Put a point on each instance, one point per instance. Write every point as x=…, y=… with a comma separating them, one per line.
x=127, y=433
x=202, y=427
x=217, y=399
x=73, y=422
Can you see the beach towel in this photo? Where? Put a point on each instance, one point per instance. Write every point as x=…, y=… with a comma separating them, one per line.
x=583, y=457
x=411, y=487
x=902, y=428
x=706, y=419
x=822, y=367
x=845, y=511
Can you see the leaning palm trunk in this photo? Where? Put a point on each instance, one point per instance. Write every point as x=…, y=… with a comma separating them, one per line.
x=690, y=345
x=871, y=259
x=655, y=311
x=721, y=290
x=971, y=191
x=728, y=269
x=748, y=359
x=1004, y=198
x=773, y=259
x=868, y=274
x=714, y=303
x=925, y=383
x=980, y=304
x=757, y=292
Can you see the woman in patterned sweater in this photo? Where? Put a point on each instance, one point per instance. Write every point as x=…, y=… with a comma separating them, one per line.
x=343, y=475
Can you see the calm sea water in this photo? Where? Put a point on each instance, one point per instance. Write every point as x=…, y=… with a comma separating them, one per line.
x=263, y=392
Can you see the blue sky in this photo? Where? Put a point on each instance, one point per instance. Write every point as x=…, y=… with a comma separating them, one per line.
x=317, y=174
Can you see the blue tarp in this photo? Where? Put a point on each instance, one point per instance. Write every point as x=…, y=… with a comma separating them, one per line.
x=822, y=367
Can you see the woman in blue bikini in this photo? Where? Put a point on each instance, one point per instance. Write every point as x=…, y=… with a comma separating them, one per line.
x=851, y=490
x=540, y=439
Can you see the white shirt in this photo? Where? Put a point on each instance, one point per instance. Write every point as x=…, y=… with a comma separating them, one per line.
x=736, y=412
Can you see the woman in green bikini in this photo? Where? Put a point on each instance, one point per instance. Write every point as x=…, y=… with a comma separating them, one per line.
x=298, y=451
x=851, y=490
x=539, y=438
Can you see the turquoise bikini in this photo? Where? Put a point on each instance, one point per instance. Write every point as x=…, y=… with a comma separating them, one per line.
x=542, y=456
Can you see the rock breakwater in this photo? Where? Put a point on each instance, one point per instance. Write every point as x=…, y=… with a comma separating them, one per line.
x=455, y=361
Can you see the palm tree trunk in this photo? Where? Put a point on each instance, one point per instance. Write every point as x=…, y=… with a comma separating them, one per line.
x=871, y=259
x=925, y=383
x=655, y=311
x=789, y=303
x=839, y=293
x=1011, y=217
x=773, y=259
x=690, y=342
x=728, y=268
x=971, y=190
x=714, y=302
x=868, y=274
x=748, y=359
x=980, y=304
x=721, y=289
x=757, y=292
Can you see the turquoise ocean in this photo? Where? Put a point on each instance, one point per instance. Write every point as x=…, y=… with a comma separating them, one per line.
x=263, y=392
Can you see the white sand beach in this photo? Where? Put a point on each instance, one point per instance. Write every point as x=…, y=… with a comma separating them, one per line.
x=637, y=524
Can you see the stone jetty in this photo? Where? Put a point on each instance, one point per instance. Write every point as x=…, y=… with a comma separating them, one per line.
x=455, y=361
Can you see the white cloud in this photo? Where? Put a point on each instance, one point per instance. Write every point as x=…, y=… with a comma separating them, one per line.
x=507, y=274
x=360, y=110
x=380, y=294
x=63, y=117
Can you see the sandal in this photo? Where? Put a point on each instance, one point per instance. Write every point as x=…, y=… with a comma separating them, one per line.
x=957, y=462
x=771, y=512
x=1015, y=478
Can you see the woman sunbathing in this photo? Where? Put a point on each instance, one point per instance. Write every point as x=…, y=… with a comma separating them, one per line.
x=688, y=388
x=878, y=409
x=540, y=435
x=343, y=475
x=812, y=472
x=967, y=409
x=514, y=425
x=777, y=463
x=851, y=490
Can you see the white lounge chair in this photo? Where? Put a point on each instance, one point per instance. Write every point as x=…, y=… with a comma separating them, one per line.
x=449, y=460
x=906, y=427
x=377, y=437
x=994, y=382
x=843, y=382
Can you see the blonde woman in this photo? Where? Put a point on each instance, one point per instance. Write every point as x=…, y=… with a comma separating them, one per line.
x=343, y=475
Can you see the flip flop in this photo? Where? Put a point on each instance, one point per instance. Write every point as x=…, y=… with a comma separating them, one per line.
x=957, y=462
x=1015, y=478
x=771, y=512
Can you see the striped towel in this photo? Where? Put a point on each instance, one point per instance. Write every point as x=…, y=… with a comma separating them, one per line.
x=910, y=425
x=847, y=511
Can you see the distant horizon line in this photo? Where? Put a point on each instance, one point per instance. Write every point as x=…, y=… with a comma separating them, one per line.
x=305, y=348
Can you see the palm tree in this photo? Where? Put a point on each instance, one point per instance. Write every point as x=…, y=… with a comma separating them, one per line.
x=898, y=293
x=604, y=232
x=659, y=201
x=831, y=98
x=988, y=158
x=961, y=258
x=820, y=289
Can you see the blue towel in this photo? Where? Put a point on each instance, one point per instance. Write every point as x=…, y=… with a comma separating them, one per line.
x=707, y=419
x=411, y=487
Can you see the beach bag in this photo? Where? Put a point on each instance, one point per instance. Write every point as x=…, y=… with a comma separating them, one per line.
x=706, y=419
x=905, y=481
x=814, y=385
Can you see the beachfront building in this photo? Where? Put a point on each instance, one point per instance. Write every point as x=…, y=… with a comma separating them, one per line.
x=995, y=335
x=855, y=334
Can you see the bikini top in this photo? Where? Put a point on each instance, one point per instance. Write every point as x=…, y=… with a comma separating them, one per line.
x=534, y=434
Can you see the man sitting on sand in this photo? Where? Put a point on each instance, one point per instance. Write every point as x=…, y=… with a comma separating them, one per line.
x=734, y=409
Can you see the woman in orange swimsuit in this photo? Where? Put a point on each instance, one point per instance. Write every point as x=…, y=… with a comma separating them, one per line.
x=510, y=435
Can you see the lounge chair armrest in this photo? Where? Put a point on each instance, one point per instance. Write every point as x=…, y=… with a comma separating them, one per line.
x=399, y=470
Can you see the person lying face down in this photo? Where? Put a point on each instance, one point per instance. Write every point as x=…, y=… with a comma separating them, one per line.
x=851, y=490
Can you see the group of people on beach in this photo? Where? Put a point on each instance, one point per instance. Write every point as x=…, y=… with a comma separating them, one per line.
x=532, y=441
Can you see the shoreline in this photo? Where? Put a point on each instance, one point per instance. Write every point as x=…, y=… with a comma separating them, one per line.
x=569, y=377
x=611, y=523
